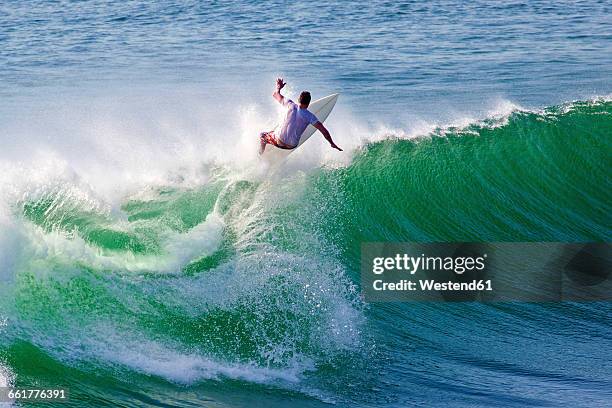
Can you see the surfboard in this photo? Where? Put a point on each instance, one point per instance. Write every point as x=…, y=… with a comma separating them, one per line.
x=321, y=108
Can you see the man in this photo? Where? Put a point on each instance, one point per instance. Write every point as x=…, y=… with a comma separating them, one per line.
x=297, y=119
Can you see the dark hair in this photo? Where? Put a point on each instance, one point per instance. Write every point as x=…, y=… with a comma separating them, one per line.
x=304, y=98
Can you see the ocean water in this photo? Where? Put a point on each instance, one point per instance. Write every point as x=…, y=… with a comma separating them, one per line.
x=148, y=258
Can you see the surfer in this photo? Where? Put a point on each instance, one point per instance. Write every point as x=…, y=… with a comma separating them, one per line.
x=297, y=119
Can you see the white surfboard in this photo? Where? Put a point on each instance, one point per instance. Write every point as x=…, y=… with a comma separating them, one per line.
x=321, y=108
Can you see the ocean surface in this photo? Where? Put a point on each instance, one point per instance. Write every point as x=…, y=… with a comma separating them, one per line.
x=148, y=257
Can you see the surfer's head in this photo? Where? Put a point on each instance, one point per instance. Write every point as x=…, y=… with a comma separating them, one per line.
x=304, y=99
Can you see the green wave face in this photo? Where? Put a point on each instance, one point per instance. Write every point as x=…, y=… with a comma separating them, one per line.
x=256, y=281
x=528, y=177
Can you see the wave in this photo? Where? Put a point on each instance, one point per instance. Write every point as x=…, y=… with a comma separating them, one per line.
x=218, y=270
x=526, y=176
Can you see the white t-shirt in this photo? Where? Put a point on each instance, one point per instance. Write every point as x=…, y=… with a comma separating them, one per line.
x=295, y=123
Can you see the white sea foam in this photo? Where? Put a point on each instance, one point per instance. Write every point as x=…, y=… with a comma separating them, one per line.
x=187, y=368
x=6, y=380
x=5, y=376
x=178, y=249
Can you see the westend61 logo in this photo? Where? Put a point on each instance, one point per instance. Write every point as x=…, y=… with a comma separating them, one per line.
x=486, y=272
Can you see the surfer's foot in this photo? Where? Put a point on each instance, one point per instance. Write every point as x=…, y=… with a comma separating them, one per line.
x=264, y=140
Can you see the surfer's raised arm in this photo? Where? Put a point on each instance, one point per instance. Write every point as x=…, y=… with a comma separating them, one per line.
x=326, y=134
x=277, y=94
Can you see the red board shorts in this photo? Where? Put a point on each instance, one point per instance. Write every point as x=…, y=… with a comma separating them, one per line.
x=270, y=138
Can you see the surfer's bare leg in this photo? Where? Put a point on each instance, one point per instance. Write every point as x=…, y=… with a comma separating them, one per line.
x=263, y=143
x=266, y=138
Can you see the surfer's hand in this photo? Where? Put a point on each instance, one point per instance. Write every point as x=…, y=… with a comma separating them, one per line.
x=280, y=83
x=333, y=145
